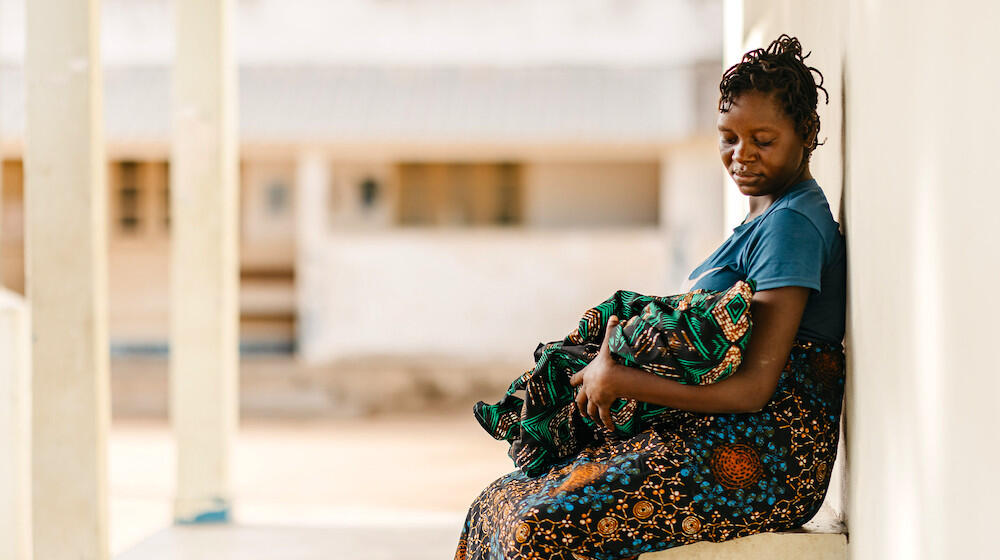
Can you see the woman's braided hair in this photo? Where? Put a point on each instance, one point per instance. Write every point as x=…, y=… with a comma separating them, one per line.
x=780, y=69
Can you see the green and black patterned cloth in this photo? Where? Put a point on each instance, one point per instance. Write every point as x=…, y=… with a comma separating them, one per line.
x=696, y=338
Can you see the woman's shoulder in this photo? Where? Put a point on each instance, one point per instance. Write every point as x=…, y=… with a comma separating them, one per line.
x=809, y=201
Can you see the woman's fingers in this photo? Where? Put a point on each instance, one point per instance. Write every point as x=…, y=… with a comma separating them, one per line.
x=605, y=412
x=593, y=412
x=581, y=402
x=605, y=344
x=576, y=378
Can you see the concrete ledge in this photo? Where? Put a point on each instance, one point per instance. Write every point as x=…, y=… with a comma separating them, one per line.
x=796, y=545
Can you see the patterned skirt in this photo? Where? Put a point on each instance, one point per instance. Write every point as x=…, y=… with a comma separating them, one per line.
x=691, y=477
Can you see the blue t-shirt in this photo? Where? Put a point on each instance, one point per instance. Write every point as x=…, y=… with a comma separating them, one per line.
x=794, y=242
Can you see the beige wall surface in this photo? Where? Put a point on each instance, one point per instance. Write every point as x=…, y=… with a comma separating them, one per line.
x=591, y=194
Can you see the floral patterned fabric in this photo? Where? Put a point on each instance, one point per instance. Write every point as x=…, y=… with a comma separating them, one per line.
x=695, y=338
x=690, y=477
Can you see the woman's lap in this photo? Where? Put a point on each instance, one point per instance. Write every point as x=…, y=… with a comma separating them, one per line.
x=691, y=478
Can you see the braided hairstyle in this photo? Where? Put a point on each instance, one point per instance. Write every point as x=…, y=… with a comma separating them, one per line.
x=780, y=69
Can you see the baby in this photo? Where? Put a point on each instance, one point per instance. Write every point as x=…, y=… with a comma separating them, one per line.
x=696, y=338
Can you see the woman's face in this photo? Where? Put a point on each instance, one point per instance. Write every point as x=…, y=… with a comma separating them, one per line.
x=759, y=145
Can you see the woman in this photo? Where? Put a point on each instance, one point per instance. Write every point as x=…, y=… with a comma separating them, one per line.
x=751, y=453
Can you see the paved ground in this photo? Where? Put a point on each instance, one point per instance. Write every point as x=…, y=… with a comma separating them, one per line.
x=295, y=543
x=383, y=488
x=390, y=487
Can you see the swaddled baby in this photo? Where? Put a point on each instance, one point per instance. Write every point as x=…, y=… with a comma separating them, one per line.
x=696, y=338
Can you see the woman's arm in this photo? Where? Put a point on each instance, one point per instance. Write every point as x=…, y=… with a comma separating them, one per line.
x=776, y=314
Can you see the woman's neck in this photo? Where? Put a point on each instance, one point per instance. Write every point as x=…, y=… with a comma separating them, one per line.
x=758, y=204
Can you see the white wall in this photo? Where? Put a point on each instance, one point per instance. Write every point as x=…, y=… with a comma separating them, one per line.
x=920, y=197
x=486, y=294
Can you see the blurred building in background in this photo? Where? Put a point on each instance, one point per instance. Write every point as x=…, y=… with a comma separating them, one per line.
x=476, y=175
x=458, y=180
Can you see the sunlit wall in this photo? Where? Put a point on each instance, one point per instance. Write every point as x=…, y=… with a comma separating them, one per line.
x=920, y=190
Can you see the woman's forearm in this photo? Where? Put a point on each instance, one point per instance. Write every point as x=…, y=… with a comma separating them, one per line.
x=732, y=395
x=777, y=313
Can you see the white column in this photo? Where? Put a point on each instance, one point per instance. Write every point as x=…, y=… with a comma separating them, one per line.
x=312, y=177
x=67, y=279
x=15, y=428
x=691, y=207
x=204, y=264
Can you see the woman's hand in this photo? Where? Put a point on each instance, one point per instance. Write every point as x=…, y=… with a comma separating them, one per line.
x=597, y=382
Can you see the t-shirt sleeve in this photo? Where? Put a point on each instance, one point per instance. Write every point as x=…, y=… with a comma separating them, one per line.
x=789, y=252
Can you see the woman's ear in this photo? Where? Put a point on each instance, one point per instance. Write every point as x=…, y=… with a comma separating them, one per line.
x=811, y=138
x=808, y=146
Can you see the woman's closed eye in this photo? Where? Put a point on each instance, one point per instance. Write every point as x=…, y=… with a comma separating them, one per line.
x=761, y=143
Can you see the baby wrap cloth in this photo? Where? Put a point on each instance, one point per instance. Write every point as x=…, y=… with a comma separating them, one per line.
x=695, y=338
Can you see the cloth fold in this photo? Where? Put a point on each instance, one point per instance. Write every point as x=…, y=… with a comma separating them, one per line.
x=695, y=338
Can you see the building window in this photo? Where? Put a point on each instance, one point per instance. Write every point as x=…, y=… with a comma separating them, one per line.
x=129, y=202
x=277, y=198
x=460, y=194
x=164, y=171
x=166, y=207
x=369, y=192
x=508, y=194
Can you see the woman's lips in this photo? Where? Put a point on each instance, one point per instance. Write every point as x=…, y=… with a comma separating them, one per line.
x=743, y=177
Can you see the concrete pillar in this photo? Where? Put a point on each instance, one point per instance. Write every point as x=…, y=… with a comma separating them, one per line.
x=204, y=264
x=313, y=179
x=67, y=279
x=15, y=428
x=691, y=207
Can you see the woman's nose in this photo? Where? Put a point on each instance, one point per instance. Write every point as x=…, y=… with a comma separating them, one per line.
x=743, y=151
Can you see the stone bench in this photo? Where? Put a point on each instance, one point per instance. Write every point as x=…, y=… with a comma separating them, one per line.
x=792, y=545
